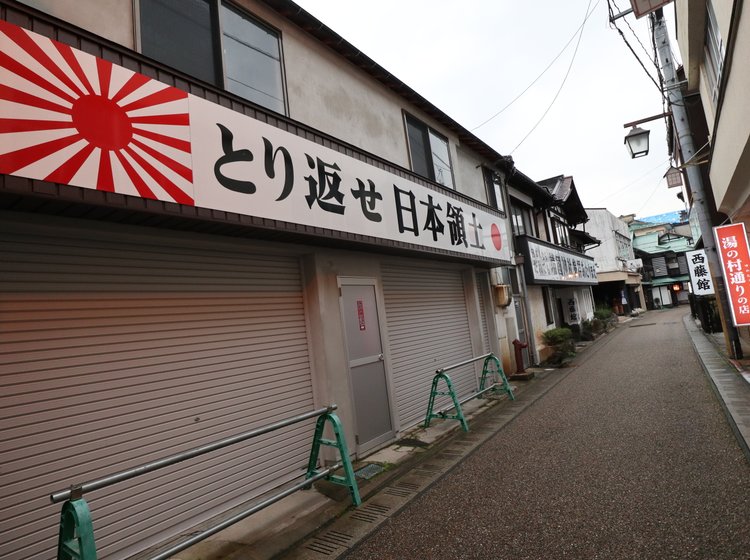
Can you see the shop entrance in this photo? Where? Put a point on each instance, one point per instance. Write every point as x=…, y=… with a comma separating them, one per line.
x=366, y=364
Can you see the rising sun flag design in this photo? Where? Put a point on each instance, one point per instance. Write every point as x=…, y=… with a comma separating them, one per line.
x=69, y=117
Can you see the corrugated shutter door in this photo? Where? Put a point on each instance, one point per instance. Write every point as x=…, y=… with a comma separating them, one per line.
x=428, y=328
x=122, y=348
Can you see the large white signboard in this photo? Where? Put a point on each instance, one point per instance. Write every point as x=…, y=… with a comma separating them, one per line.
x=71, y=118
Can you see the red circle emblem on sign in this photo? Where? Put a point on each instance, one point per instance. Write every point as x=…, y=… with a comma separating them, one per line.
x=497, y=239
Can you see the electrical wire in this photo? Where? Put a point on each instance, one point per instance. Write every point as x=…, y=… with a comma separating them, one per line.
x=611, y=16
x=645, y=50
x=565, y=79
x=634, y=181
x=653, y=192
x=517, y=97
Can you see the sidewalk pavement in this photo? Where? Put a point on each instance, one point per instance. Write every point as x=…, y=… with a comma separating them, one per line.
x=730, y=379
x=292, y=527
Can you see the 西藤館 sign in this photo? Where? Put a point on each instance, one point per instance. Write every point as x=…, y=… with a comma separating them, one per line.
x=71, y=118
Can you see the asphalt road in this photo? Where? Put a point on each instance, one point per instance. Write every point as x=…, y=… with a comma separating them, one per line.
x=629, y=456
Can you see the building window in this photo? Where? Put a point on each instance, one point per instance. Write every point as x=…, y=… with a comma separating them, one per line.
x=429, y=152
x=215, y=43
x=714, y=52
x=560, y=231
x=520, y=216
x=494, y=185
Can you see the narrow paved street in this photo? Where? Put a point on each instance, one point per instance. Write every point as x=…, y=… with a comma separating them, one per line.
x=629, y=456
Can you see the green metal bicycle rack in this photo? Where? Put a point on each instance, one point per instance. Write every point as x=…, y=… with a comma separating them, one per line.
x=339, y=443
x=499, y=374
x=76, y=540
x=499, y=385
x=76, y=535
x=459, y=415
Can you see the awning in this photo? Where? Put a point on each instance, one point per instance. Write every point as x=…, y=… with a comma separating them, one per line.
x=663, y=281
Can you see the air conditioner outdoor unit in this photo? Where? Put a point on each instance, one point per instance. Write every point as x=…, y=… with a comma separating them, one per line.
x=503, y=295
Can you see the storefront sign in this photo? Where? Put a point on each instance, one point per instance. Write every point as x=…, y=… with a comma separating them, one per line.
x=548, y=264
x=71, y=118
x=731, y=242
x=700, y=275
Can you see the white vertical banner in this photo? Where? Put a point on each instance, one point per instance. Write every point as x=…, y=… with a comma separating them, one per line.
x=700, y=276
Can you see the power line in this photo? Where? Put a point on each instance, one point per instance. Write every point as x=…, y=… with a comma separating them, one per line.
x=517, y=97
x=646, y=174
x=611, y=16
x=570, y=66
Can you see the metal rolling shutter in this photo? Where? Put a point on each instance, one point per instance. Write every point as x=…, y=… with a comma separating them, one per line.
x=428, y=328
x=123, y=346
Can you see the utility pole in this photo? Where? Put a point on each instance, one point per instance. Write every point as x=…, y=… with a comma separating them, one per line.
x=685, y=139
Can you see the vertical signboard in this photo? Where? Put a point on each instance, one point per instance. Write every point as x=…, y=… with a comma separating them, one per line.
x=731, y=242
x=700, y=276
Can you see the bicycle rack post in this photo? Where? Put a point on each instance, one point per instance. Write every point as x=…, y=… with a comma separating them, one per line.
x=339, y=443
x=499, y=373
x=76, y=540
x=459, y=415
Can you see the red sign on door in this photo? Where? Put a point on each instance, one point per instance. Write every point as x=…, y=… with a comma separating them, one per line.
x=731, y=242
x=361, y=314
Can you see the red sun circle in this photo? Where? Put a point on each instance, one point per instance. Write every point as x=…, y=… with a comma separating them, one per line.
x=497, y=239
x=102, y=122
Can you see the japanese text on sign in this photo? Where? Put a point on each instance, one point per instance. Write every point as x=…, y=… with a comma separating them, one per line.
x=700, y=276
x=731, y=243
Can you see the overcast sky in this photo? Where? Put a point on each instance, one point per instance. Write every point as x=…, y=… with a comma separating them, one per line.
x=472, y=58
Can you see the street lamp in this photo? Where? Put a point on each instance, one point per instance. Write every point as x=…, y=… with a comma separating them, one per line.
x=637, y=142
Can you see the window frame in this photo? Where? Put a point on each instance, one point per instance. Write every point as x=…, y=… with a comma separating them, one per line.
x=495, y=190
x=526, y=217
x=713, y=52
x=427, y=131
x=218, y=57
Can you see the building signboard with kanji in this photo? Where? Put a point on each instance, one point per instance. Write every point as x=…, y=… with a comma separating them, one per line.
x=700, y=275
x=74, y=119
x=731, y=243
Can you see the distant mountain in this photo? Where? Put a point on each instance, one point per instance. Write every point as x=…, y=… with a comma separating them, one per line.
x=666, y=218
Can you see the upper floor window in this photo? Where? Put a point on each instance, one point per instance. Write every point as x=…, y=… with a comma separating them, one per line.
x=494, y=190
x=560, y=231
x=714, y=52
x=520, y=217
x=215, y=43
x=429, y=152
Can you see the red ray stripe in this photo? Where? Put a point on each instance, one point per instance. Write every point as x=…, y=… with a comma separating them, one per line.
x=143, y=189
x=182, y=145
x=105, y=181
x=24, y=40
x=10, y=64
x=105, y=74
x=64, y=173
x=135, y=81
x=70, y=58
x=26, y=125
x=177, y=194
x=18, y=96
x=13, y=161
x=179, y=119
x=157, y=98
x=184, y=172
